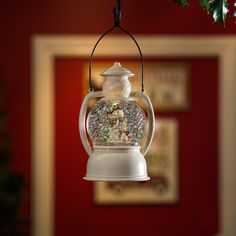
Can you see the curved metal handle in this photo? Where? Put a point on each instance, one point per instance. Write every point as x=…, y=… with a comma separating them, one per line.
x=137, y=45
x=151, y=119
x=82, y=116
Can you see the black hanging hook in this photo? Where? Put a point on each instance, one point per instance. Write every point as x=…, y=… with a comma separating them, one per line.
x=117, y=14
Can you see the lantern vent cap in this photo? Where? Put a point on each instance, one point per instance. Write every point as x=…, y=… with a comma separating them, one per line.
x=117, y=70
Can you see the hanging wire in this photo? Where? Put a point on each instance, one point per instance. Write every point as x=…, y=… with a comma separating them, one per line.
x=117, y=18
x=91, y=58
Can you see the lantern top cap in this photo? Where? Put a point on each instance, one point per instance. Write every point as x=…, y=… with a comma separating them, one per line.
x=117, y=70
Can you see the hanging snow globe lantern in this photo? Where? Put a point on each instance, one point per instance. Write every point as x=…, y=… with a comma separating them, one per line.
x=116, y=124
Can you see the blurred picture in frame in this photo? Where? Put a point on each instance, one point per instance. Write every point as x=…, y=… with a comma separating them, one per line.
x=162, y=163
x=166, y=83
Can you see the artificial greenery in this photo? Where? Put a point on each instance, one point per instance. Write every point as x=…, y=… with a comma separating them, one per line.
x=182, y=2
x=11, y=183
x=218, y=8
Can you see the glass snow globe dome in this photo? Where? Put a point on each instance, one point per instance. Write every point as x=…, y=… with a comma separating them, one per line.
x=116, y=119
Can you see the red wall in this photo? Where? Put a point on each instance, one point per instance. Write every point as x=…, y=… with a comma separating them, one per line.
x=196, y=213
x=21, y=20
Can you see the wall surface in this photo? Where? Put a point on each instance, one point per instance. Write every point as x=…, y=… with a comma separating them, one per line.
x=196, y=211
x=21, y=20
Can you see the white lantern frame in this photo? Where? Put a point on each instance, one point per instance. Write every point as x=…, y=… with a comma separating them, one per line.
x=113, y=163
x=115, y=160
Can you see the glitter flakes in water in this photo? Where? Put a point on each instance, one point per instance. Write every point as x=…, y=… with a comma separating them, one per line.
x=116, y=122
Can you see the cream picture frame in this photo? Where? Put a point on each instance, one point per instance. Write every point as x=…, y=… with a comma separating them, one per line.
x=46, y=48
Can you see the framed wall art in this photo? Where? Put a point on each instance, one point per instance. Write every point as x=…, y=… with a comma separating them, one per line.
x=46, y=48
x=162, y=162
x=166, y=83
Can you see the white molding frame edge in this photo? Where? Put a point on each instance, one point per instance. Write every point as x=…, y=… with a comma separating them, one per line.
x=46, y=48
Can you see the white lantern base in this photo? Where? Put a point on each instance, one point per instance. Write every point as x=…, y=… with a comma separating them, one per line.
x=119, y=163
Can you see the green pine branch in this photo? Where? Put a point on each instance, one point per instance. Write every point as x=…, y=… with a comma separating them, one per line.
x=204, y=4
x=183, y=3
x=11, y=183
x=218, y=8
